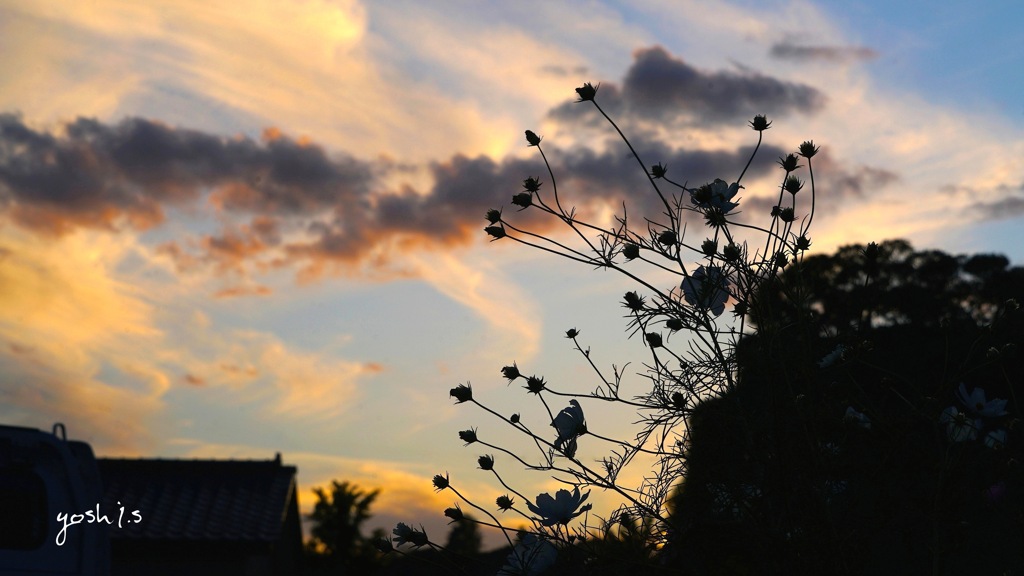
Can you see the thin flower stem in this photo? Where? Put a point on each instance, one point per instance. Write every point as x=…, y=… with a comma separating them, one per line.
x=760, y=135
x=507, y=487
x=639, y=161
x=492, y=517
x=512, y=454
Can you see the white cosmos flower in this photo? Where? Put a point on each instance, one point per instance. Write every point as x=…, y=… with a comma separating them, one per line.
x=561, y=509
x=859, y=418
x=832, y=357
x=531, y=556
x=995, y=439
x=959, y=426
x=719, y=195
x=707, y=289
x=979, y=406
x=569, y=424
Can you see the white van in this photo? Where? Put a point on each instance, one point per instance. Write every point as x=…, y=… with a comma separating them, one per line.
x=43, y=476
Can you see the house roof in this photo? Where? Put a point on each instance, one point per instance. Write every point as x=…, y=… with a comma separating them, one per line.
x=197, y=500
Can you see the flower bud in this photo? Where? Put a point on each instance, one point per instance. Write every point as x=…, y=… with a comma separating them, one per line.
x=496, y=232
x=493, y=216
x=468, y=436
x=803, y=243
x=732, y=252
x=674, y=324
x=418, y=538
x=658, y=171
x=587, y=92
x=531, y=138
x=572, y=333
x=531, y=184
x=440, y=482
x=653, y=339
x=634, y=302
x=511, y=372
x=702, y=195
x=504, y=503
x=462, y=393
x=523, y=199
x=808, y=149
x=678, y=400
x=709, y=247
x=631, y=251
x=740, y=310
x=781, y=260
x=486, y=462
x=515, y=418
x=667, y=238
x=535, y=384
x=454, y=513
x=383, y=545
x=793, y=184
x=760, y=123
x=789, y=163
x=787, y=215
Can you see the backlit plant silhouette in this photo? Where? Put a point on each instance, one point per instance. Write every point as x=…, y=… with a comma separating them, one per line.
x=748, y=442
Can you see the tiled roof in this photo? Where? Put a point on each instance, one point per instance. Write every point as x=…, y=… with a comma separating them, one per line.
x=198, y=500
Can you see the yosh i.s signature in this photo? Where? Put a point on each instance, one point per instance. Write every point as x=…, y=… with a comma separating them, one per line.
x=90, y=517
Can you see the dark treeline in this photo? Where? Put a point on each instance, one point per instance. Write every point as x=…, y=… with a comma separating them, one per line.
x=848, y=445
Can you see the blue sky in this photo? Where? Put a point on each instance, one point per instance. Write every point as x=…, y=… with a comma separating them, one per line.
x=228, y=233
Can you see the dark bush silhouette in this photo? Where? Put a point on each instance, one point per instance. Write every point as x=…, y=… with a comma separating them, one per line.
x=849, y=468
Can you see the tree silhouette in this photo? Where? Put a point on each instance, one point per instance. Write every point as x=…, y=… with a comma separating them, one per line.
x=828, y=459
x=337, y=544
x=464, y=538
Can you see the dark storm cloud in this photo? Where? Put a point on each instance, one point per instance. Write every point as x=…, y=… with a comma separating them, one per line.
x=833, y=54
x=93, y=174
x=283, y=203
x=663, y=88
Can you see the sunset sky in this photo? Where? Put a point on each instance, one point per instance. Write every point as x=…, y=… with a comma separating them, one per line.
x=229, y=232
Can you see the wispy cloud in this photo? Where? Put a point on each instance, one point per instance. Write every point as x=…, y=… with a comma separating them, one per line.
x=788, y=50
x=76, y=344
